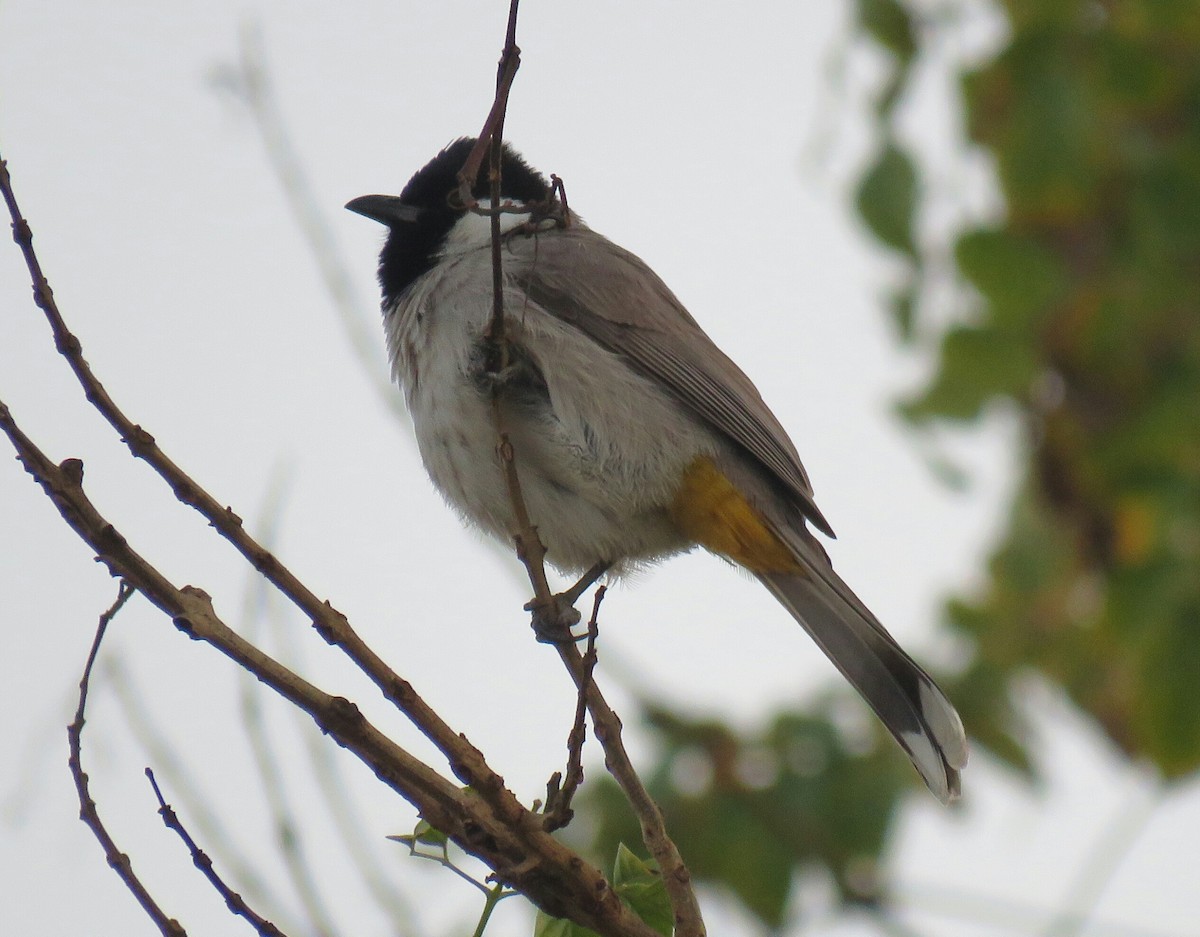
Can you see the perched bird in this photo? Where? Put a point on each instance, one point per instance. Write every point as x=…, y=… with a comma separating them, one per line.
x=635, y=437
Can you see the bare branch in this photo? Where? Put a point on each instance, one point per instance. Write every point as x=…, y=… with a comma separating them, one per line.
x=490, y=823
x=88, y=813
x=546, y=607
x=465, y=760
x=507, y=837
x=607, y=727
x=169, y=765
x=561, y=788
x=493, y=126
x=235, y=902
x=493, y=825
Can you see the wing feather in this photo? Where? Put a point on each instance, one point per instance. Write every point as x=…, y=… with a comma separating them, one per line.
x=612, y=296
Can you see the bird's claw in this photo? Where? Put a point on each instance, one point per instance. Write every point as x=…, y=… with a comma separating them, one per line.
x=552, y=621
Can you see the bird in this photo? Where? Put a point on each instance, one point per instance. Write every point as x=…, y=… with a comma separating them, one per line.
x=635, y=437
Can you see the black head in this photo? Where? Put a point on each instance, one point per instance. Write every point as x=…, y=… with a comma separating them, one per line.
x=422, y=216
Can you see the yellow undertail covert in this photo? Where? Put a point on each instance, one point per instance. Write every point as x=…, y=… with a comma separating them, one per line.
x=710, y=510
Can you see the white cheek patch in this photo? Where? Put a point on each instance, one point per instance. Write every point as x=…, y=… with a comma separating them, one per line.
x=473, y=231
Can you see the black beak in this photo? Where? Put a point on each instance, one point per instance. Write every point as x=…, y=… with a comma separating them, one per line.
x=386, y=209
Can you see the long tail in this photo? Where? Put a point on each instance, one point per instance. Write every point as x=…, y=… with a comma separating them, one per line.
x=910, y=704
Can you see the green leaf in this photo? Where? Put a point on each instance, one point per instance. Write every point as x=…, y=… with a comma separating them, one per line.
x=1042, y=113
x=1167, y=720
x=888, y=23
x=977, y=364
x=628, y=868
x=904, y=311
x=546, y=926
x=886, y=199
x=424, y=834
x=637, y=884
x=1018, y=278
x=642, y=888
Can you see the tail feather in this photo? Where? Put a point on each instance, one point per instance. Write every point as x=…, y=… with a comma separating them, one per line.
x=904, y=697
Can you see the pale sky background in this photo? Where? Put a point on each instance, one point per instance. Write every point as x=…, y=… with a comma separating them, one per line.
x=718, y=142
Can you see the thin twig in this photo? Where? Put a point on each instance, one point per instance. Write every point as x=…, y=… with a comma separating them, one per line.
x=529, y=546
x=170, y=766
x=510, y=61
x=607, y=727
x=491, y=139
x=558, y=189
x=494, y=896
x=562, y=787
x=88, y=813
x=493, y=893
x=531, y=551
x=497, y=340
x=233, y=901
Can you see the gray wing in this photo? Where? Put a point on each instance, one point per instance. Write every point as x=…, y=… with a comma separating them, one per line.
x=612, y=296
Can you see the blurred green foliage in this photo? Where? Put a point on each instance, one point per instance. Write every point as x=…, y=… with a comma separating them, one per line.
x=749, y=810
x=1089, y=326
x=1085, y=321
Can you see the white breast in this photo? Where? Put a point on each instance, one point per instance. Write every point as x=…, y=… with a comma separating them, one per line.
x=598, y=468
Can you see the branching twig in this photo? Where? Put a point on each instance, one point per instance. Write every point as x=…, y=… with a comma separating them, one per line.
x=607, y=727
x=235, y=902
x=88, y=813
x=509, y=840
x=493, y=893
x=490, y=824
x=465, y=760
x=531, y=551
x=493, y=825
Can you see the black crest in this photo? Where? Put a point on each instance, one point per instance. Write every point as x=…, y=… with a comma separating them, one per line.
x=412, y=246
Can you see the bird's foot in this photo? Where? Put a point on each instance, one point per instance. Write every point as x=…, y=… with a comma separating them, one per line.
x=553, y=621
